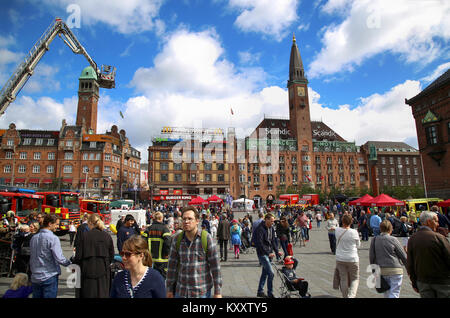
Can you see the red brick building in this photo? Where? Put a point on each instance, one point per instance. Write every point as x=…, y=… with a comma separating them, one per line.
x=431, y=111
x=64, y=159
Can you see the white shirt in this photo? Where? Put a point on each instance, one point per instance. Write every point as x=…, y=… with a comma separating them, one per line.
x=347, y=249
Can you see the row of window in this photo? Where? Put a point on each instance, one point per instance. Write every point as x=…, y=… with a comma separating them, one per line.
x=392, y=171
x=164, y=177
x=401, y=182
x=400, y=160
x=69, y=156
x=193, y=166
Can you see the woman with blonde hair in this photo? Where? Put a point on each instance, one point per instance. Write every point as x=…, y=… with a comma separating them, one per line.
x=19, y=288
x=139, y=279
x=94, y=254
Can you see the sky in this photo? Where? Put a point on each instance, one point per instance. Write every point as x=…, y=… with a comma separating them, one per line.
x=187, y=63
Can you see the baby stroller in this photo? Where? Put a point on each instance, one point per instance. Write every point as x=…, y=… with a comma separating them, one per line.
x=288, y=289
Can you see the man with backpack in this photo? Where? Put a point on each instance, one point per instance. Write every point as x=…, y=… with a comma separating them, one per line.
x=194, y=266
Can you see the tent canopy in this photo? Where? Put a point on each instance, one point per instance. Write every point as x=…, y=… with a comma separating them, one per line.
x=445, y=203
x=214, y=199
x=198, y=201
x=364, y=198
x=383, y=200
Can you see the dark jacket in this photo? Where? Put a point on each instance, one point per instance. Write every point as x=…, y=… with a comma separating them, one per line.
x=94, y=255
x=158, y=236
x=124, y=234
x=82, y=228
x=282, y=232
x=265, y=240
x=428, y=258
x=223, y=231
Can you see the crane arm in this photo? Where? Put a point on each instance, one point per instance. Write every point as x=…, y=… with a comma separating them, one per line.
x=26, y=69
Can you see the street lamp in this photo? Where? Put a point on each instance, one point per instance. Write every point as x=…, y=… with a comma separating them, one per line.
x=85, y=182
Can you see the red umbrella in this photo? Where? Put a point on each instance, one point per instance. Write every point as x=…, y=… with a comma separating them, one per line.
x=383, y=200
x=445, y=203
x=198, y=201
x=214, y=199
x=360, y=201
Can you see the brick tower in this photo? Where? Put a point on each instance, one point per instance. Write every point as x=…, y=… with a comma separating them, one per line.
x=299, y=115
x=88, y=94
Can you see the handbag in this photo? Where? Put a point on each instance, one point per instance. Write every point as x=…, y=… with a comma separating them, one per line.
x=384, y=285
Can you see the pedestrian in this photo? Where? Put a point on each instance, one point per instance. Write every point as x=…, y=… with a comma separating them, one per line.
x=120, y=222
x=387, y=252
x=83, y=227
x=205, y=223
x=94, y=255
x=194, y=267
x=404, y=232
x=40, y=219
x=126, y=231
x=214, y=224
x=374, y=222
x=46, y=256
x=331, y=225
x=223, y=236
x=235, y=232
x=347, y=260
x=139, y=279
x=21, y=246
x=72, y=232
x=158, y=237
x=255, y=225
x=19, y=288
x=266, y=249
x=363, y=226
x=318, y=219
x=428, y=258
x=283, y=230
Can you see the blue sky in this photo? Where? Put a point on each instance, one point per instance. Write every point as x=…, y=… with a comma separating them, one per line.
x=187, y=62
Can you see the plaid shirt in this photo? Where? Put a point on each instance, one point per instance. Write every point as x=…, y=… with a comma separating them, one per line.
x=197, y=272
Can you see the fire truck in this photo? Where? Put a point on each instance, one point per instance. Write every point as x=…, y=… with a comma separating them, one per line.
x=21, y=201
x=102, y=208
x=65, y=205
x=106, y=75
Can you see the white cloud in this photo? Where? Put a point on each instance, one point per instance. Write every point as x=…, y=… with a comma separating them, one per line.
x=44, y=113
x=272, y=18
x=125, y=17
x=441, y=69
x=44, y=78
x=411, y=29
x=383, y=117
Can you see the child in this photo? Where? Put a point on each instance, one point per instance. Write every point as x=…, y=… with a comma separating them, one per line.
x=298, y=283
x=19, y=287
x=236, y=238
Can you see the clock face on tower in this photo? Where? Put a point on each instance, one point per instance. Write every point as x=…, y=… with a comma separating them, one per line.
x=300, y=91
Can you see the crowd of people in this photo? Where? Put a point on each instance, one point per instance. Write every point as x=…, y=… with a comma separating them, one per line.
x=178, y=252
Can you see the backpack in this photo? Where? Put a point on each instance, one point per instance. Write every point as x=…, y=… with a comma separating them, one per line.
x=204, y=240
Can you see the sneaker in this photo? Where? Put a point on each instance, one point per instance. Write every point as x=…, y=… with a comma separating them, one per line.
x=261, y=295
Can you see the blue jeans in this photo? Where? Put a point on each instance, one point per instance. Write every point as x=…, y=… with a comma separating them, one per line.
x=364, y=234
x=267, y=273
x=395, y=281
x=376, y=231
x=46, y=289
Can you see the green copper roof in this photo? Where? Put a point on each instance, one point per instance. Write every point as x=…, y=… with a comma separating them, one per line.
x=88, y=73
x=430, y=117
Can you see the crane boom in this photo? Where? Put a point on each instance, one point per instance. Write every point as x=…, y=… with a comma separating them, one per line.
x=106, y=75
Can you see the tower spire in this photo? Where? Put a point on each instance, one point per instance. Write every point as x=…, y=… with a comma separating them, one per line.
x=296, y=71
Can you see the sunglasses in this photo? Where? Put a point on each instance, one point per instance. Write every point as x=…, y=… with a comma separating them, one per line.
x=127, y=254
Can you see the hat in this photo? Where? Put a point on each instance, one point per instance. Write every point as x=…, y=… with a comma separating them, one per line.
x=234, y=221
x=288, y=260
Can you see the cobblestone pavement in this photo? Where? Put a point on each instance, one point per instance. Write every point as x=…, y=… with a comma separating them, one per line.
x=241, y=276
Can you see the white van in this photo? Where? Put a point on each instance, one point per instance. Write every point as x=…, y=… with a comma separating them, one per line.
x=242, y=206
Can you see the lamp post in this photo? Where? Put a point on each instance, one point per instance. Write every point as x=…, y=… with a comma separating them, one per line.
x=85, y=182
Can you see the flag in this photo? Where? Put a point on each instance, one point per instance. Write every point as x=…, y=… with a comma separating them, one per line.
x=309, y=179
x=231, y=111
x=321, y=177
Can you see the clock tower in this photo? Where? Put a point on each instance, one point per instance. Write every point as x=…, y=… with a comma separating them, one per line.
x=88, y=94
x=299, y=116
